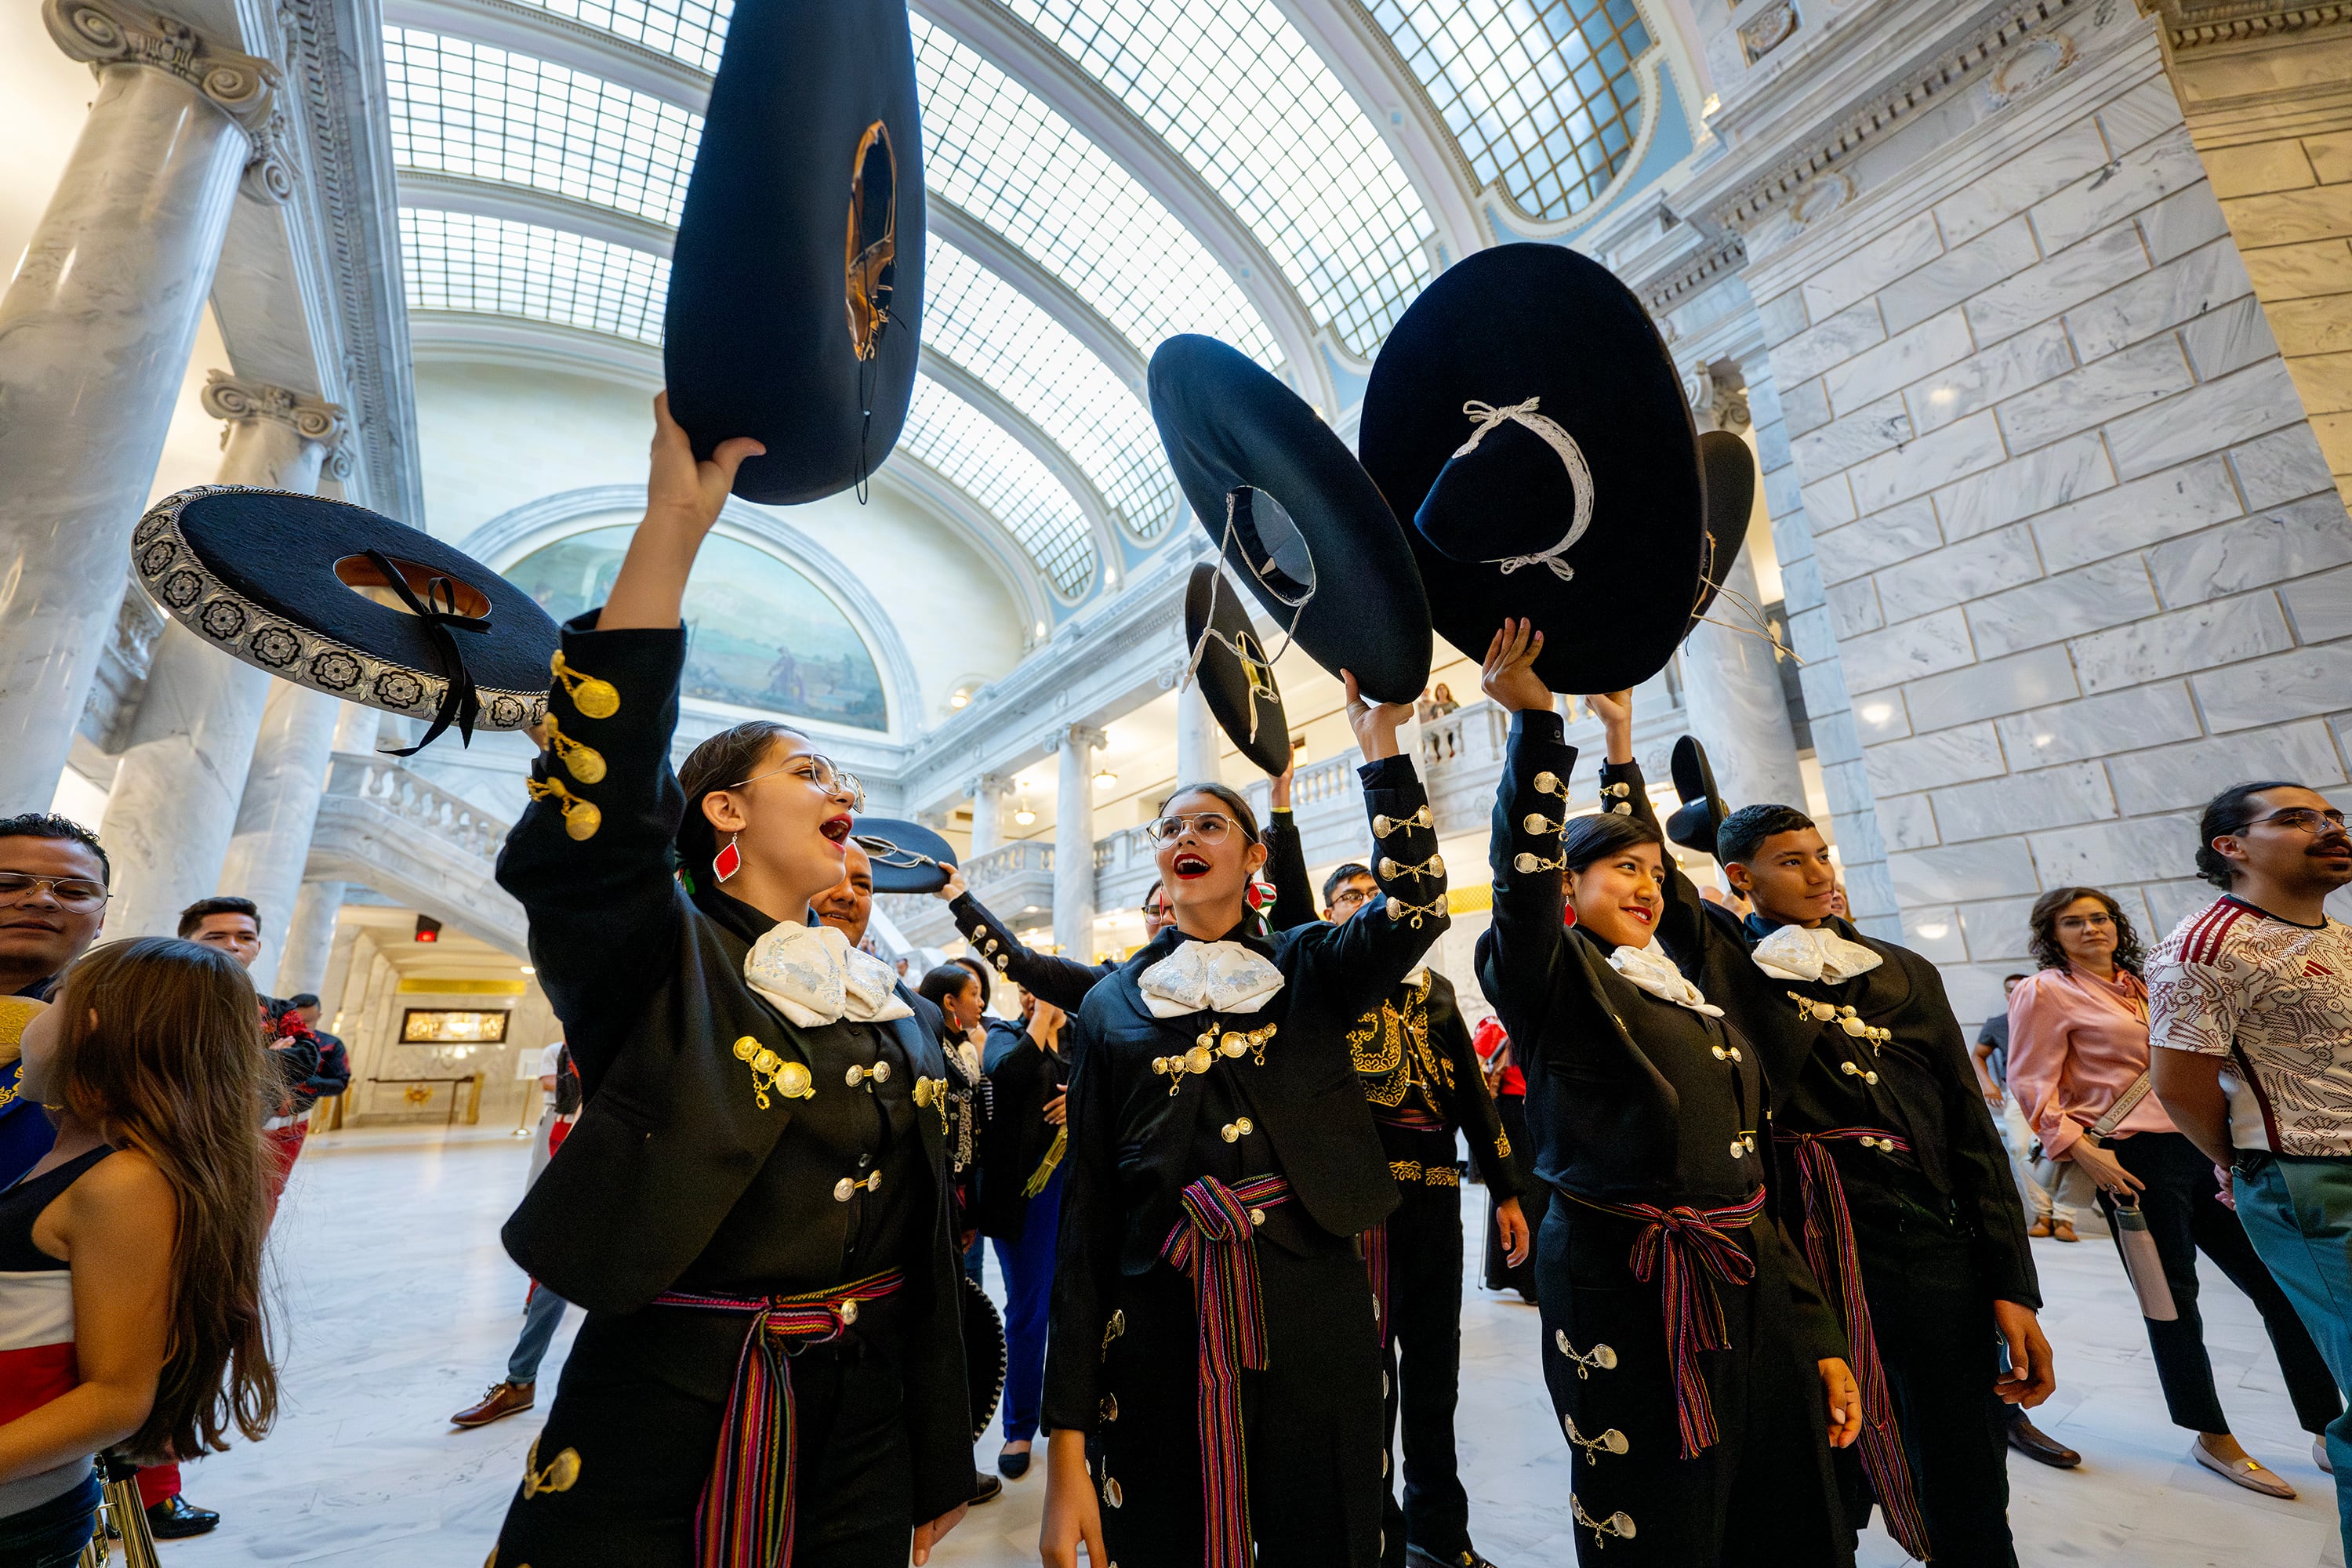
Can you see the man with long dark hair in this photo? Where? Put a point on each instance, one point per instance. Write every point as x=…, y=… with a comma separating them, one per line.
x=2260, y=983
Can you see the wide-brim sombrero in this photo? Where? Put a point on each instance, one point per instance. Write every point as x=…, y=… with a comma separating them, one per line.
x=1236, y=680
x=1326, y=558
x=1695, y=823
x=1587, y=519
x=983, y=1355
x=1730, y=471
x=908, y=857
x=796, y=282
x=287, y=584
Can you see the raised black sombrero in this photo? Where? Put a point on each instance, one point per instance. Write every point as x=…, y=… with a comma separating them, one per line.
x=983, y=1354
x=295, y=585
x=796, y=282
x=1294, y=514
x=1730, y=470
x=1696, y=822
x=908, y=857
x=1526, y=419
x=1236, y=676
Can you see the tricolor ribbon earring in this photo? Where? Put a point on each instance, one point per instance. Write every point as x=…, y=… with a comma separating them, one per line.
x=728, y=861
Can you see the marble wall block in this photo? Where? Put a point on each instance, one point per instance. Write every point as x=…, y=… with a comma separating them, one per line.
x=2320, y=608
x=1905, y=357
x=1853, y=609
x=2092, y=599
x=1960, y=272
x=2325, y=380
x=2174, y=778
x=2206, y=418
x=2198, y=638
x=2100, y=726
x=1880, y=540
x=2101, y=391
x=2294, y=271
x=2291, y=217
x=1847, y=788
x=2232, y=337
x=2172, y=902
x=1783, y=497
x=1829, y=503
x=1804, y=406
x=2028, y=360
x=2273, y=690
x=1801, y=585
x=1782, y=317
x=1993, y=868
x=2292, y=541
x=2096, y=854
x=2280, y=468
x=2055, y=286
x=2022, y=803
x=2178, y=291
x=1933, y=931
x=1967, y=570
x=2042, y=170
x=1881, y=716
x=2145, y=511
x=1865, y=432
x=2033, y=483
x=2180, y=223
x=1997, y=927
x=1836, y=340
x=1872, y=266
x=1925, y=646
x=2131, y=182
x=1952, y=453
x=2257, y=167
x=1951, y=756
x=1994, y=686
x=2140, y=116
x=1908, y=822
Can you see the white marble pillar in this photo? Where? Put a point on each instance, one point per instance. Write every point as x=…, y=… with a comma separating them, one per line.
x=1074, y=842
x=176, y=795
x=99, y=323
x=987, y=814
x=310, y=931
x=1198, y=738
x=272, y=842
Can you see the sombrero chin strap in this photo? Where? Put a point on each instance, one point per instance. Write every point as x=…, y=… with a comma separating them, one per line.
x=1579, y=476
x=460, y=704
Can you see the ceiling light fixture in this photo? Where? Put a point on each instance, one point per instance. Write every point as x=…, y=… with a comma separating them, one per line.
x=1021, y=812
x=1105, y=779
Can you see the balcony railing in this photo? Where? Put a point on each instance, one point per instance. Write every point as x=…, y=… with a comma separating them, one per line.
x=384, y=782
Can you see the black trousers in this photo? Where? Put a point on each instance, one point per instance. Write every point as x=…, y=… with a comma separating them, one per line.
x=1499, y=1274
x=2186, y=1216
x=642, y=1402
x=1420, y=1366
x=1310, y=1420
x=1763, y=1494
x=1941, y=1351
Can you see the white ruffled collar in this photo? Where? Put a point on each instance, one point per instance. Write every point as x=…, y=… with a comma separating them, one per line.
x=1209, y=977
x=1813, y=954
x=1650, y=969
x=814, y=977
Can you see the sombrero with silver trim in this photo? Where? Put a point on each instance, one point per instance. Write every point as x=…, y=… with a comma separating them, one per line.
x=908, y=857
x=298, y=586
x=1696, y=822
x=1730, y=470
x=984, y=1360
x=1236, y=676
x=1528, y=421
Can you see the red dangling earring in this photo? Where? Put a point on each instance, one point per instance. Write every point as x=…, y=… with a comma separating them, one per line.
x=729, y=860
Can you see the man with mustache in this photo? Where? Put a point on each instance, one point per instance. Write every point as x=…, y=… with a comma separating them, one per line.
x=2258, y=984
x=53, y=882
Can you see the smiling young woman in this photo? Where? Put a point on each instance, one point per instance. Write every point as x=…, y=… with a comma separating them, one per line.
x=754, y=1205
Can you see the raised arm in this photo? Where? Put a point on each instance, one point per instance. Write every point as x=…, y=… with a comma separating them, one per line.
x=1285, y=861
x=1683, y=927
x=1064, y=982
x=1521, y=952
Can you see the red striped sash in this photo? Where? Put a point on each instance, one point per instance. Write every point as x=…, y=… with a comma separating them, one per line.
x=745, y=1520
x=1215, y=1246
x=1679, y=1248
x=1829, y=1248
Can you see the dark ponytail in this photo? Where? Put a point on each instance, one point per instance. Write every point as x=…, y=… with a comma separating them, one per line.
x=2227, y=814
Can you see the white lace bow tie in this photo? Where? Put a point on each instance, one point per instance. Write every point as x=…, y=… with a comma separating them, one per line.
x=813, y=976
x=1209, y=977
x=1793, y=953
x=1655, y=973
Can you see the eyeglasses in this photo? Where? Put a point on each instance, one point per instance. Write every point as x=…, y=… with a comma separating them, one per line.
x=2100, y=919
x=820, y=771
x=1155, y=912
x=72, y=893
x=1208, y=826
x=2306, y=819
x=1348, y=897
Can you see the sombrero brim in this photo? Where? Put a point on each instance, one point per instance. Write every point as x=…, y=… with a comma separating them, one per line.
x=1227, y=424
x=1540, y=321
x=1244, y=699
x=756, y=337
x=1730, y=470
x=1694, y=825
x=983, y=1355
x=908, y=857
x=253, y=571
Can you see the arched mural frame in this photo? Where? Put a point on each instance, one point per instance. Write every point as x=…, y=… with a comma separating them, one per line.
x=517, y=531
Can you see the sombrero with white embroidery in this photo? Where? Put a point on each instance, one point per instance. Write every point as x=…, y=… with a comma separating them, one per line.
x=1236, y=680
x=1526, y=418
x=333, y=596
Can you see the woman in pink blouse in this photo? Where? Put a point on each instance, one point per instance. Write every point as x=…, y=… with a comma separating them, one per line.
x=2077, y=1043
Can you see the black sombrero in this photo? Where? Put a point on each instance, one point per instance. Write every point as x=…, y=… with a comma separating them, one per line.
x=983, y=1354
x=1528, y=422
x=1293, y=513
x=286, y=582
x=1696, y=822
x=796, y=282
x=1236, y=676
x=908, y=857
x=1730, y=470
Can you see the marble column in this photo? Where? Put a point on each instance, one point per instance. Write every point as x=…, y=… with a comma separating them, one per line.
x=987, y=814
x=310, y=931
x=1198, y=738
x=99, y=323
x=272, y=842
x=1074, y=842
x=176, y=795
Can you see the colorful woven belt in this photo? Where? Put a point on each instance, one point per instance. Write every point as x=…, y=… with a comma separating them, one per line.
x=1829, y=1248
x=745, y=1520
x=1215, y=1246
x=1678, y=1246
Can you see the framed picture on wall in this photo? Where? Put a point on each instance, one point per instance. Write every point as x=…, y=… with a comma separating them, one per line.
x=445, y=1027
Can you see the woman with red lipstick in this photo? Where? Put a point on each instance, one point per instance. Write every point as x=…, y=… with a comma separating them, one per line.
x=1213, y=1384
x=754, y=1204
x=1695, y=1367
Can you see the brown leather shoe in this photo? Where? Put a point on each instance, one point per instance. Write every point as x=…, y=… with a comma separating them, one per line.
x=504, y=1399
x=2035, y=1444
x=2063, y=1230
x=2039, y=1228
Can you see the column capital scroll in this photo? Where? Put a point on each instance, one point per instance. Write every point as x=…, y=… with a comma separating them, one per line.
x=243, y=86
x=239, y=400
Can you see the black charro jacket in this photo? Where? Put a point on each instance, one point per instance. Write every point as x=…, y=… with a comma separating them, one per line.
x=655, y=1184
x=1134, y=1147
x=1064, y=982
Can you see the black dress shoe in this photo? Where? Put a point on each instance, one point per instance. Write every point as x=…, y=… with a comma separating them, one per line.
x=2035, y=1444
x=1418, y=1557
x=172, y=1519
x=1012, y=1466
x=985, y=1489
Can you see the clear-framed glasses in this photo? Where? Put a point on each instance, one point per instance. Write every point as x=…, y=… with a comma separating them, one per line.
x=1208, y=826
x=2096, y=918
x=1156, y=911
x=73, y=894
x=821, y=770
x=2305, y=819
x=1350, y=897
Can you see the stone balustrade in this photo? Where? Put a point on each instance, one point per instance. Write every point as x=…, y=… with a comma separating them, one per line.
x=384, y=826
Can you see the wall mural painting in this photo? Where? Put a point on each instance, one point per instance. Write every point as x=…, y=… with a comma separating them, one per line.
x=758, y=634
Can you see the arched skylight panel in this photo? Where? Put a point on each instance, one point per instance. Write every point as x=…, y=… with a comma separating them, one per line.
x=1007, y=157
x=973, y=453
x=484, y=114
x=498, y=266
x=1540, y=95
x=688, y=30
x=1248, y=103
x=996, y=332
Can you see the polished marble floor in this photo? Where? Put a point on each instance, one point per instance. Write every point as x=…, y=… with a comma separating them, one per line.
x=398, y=1307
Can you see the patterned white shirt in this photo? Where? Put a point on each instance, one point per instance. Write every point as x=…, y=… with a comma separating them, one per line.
x=2275, y=999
